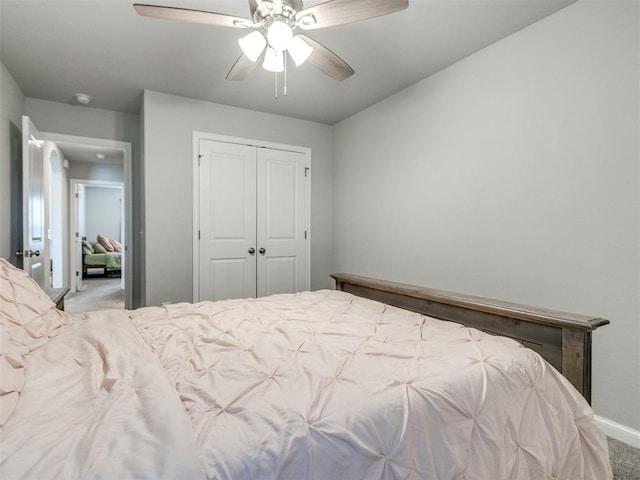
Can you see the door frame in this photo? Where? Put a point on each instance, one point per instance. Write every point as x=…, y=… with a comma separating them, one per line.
x=58, y=181
x=73, y=226
x=128, y=203
x=197, y=136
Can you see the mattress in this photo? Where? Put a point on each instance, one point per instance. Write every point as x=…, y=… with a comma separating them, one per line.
x=320, y=385
x=107, y=260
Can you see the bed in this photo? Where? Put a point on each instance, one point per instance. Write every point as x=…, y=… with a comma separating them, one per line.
x=108, y=261
x=104, y=253
x=323, y=384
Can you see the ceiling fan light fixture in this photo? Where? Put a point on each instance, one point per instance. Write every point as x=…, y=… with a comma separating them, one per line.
x=299, y=50
x=274, y=22
x=279, y=35
x=252, y=45
x=273, y=60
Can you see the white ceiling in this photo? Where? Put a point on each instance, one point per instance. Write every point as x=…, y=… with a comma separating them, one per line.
x=56, y=48
x=75, y=152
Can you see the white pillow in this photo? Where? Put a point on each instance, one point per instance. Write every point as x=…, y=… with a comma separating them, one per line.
x=117, y=246
x=99, y=248
x=105, y=242
x=28, y=319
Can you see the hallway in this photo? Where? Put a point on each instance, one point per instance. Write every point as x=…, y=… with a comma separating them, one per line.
x=97, y=293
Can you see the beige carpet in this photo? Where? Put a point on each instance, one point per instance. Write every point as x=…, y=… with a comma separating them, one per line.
x=625, y=460
x=97, y=293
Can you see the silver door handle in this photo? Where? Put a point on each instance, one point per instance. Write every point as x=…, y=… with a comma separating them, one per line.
x=262, y=251
x=252, y=251
x=19, y=253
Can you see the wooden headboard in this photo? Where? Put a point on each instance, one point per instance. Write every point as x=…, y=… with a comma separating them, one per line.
x=563, y=339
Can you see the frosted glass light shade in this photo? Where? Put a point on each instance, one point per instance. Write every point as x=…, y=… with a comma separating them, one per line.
x=252, y=45
x=279, y=35
x=299, y=50
x=273, y=60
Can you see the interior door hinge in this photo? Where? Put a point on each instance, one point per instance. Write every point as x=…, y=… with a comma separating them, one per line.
x=305, y=234
x=199, y=158
x=306, y=171
x=77, y=273
x=198, y=234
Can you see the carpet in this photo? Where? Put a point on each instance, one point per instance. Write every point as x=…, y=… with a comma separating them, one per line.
x=97, y=293
x=625, y=460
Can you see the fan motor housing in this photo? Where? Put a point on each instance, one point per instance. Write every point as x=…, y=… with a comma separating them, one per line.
x=266, y=10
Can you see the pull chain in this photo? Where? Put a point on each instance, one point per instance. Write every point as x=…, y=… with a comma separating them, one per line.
x=276, y=85
x=284, y=59
x=285, y=72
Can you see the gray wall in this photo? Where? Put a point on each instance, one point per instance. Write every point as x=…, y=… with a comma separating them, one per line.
x=104, y=172
x=11, y=110
x=103, y=213
x=513, y=174
x=54, y=117
x=169, y=122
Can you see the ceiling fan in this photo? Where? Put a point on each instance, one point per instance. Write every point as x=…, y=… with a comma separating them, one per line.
x=273, y=23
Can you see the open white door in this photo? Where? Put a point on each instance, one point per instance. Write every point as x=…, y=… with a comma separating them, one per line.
x=33, y=231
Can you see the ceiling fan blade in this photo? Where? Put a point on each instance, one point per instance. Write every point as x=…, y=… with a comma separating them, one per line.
x=339, y=12
x=253, y=6
x=327, y=61
x=243, y=67
x=193, y=16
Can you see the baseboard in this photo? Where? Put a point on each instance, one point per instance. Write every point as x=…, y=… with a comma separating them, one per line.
x=618, y=431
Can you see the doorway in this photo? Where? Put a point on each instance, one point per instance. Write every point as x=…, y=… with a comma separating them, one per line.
x=90, y=160
x=97, y=222
x=57, y=208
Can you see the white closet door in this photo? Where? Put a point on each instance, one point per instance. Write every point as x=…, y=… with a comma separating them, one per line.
x=227, y=210
x=281, y=258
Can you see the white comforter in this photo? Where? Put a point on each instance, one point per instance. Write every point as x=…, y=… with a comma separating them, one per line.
x=96, y=405
x=316, y=385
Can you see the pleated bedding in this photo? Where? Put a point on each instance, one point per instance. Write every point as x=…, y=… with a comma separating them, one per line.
x=316, y=385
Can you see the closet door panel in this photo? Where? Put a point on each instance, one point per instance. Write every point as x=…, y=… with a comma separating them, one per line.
x=280, y=200
x=281, y=196
x=227, y=278
x=280, y=274
x=227, y=221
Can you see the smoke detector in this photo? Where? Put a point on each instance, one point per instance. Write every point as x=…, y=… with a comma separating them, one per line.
x=83, y=98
